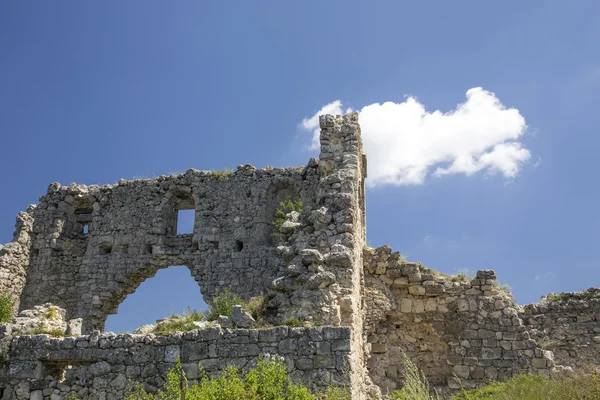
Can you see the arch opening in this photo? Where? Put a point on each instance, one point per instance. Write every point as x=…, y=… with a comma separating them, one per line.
x=170, y=291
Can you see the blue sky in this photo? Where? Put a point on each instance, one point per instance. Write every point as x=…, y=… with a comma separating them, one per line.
x=95, y=92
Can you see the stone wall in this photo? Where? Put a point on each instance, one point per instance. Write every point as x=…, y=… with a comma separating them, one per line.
x=131, y=233
x=323, y=279
x=569, y=325
x=15, y=258
x=447, y=325
x=85, y=248
x=99, y=366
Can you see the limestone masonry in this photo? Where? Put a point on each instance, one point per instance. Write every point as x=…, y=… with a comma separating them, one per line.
x=83, y=249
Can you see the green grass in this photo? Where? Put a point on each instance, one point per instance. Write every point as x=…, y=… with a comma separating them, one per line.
x=267, y=381
x=528, y=387
x=6, y=308
x=52, y=314
x=293, y=322
x=179, y=323
x=552, y=297
x=221, y=173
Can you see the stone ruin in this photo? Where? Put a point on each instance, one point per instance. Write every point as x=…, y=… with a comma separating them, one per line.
x=83, y=249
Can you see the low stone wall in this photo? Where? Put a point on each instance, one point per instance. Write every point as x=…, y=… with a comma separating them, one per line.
x=102, y=366
x=569, y=325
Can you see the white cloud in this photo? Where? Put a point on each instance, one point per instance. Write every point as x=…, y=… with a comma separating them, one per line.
x=405, y=143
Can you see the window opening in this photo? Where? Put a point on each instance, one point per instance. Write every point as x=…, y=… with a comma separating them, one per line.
x=86, y=229
x=171, y=291
x=239, y=245
x=185, y=221
x=105, y=248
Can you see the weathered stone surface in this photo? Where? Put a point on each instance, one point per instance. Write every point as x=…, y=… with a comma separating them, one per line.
x=107, y=369
x=241, y=318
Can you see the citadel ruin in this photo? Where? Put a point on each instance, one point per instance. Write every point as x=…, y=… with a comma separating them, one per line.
x=84, y=249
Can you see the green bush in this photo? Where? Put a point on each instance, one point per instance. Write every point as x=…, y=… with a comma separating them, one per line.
x=528, y=387
x=267, y=381
x=286, y=207
x=221, y=304
x=6, y=308
x=293, y=322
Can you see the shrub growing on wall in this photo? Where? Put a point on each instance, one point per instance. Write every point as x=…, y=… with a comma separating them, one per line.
x=267, y=381
x=6, y=308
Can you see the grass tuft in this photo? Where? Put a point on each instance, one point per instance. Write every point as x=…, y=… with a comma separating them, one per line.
x=416, y=386
x=554, y=297
x=179, y=323
x=221, y=173
x=293, y=322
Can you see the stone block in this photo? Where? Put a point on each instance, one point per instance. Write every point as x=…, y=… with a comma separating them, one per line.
x=171, y=353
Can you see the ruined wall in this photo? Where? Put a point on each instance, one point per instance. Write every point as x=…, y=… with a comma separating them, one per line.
x=569, y=325
x=99, y=366
x=86, y=248
x=467, y=327
x=15, y=258
x=323, y=279
x=92, y=246
x=131, y=233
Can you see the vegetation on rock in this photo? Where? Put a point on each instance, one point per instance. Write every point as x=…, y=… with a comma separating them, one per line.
x=267, y=381
x=6, y=308
x=180, y=323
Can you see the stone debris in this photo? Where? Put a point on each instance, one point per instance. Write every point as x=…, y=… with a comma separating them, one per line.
x=241, y=318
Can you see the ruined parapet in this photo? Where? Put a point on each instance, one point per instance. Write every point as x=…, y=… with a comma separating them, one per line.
x=568, y=324
x=461, y=332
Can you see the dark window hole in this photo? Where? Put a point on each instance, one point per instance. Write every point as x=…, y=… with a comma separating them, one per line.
x=239, y=245
x=105, y=248
x=149, y=248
